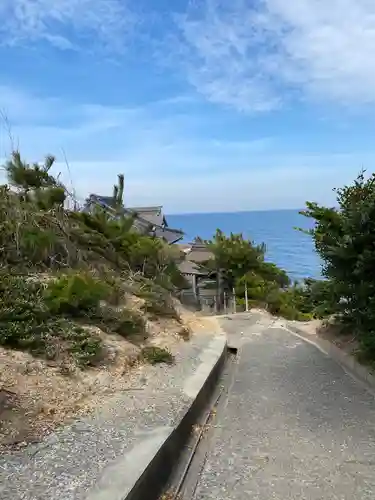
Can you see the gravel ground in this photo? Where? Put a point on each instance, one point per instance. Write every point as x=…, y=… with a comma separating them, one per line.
x=69, y=462
x=295, y=426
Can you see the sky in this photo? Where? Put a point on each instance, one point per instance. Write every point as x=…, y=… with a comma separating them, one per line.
x=205, y=106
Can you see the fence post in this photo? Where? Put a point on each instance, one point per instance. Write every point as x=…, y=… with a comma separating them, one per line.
x=234, y=301
x=225, y=301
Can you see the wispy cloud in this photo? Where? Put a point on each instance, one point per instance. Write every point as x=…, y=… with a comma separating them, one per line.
x=252, y=55
x=65, y=24
x=166, y=161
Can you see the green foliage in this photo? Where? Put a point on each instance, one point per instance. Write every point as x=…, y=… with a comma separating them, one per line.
x=158, y=302
x=150, y=257
x=118, y=191
x=85, y=349
x=315, y=297
x=234, y=256
x=86, y=260
x=243, y=266
x=27, y=324
x=34, y=182
x=75, y=294
x=37, y=231
x=124, y=322
x=30, y=237
x=258, y=289
x=155, y=355
x=344, y=237
x=271, y=273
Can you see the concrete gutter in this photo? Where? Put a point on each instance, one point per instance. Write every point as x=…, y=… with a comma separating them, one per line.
x=143, y=472
x=347, y=361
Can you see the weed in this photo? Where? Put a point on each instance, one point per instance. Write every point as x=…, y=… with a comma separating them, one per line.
x=155, y=355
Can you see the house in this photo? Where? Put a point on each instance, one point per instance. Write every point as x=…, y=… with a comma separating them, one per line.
x=147, y=220
x=204, y=283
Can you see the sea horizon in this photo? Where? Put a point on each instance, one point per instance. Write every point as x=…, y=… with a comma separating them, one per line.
x=221, y=212
x=287, y=247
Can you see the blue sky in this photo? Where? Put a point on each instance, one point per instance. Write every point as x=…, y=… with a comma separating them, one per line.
x=204, y=105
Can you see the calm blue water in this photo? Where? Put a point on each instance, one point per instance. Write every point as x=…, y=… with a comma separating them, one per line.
x=286, y=247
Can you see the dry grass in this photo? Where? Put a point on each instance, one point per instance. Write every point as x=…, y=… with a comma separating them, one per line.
x=35, y=395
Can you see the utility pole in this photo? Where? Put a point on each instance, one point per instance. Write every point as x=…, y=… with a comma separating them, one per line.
x=246, y=299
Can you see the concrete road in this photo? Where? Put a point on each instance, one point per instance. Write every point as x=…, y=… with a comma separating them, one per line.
x=295, y=425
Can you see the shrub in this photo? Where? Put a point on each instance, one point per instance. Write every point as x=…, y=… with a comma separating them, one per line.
x=158, y=300
x=160, y=306
x=122, y=321
x=285, y=303
x=154, y=355
x=85, y=349
x=75, y=294
x=26, y=324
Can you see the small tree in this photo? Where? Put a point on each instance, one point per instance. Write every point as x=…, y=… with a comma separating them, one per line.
x=34, y=182
x=118, y=192
x=233, y=256
x=344, y=237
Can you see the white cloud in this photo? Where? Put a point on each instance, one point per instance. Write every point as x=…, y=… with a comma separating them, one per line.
x=63, y=22
x=248, y=54
x=165, y=158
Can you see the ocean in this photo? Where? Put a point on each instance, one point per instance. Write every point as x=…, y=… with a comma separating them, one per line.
x=288, y=248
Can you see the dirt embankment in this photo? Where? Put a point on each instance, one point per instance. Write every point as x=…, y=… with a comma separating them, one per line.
x=38, y=395
x=327, y=330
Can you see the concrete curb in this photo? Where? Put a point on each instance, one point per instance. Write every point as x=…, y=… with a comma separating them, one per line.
x=151, y=482
x=149, y=465
x=346, y=361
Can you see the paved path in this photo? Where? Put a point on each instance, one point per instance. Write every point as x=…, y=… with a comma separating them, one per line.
x=295, y=426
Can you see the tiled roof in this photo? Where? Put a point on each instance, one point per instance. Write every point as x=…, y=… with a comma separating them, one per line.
x=154, y=215
x=169, y=234
x=187, y=267
x=201, y=255
x=107, y=200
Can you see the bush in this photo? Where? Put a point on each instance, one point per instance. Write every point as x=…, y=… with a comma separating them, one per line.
x=85, y=349
x=75, y=294
x=158, y=302
x=154, y=355
x=122, y=321
x=26, y=324
x=286, y=303
x=271, y=273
